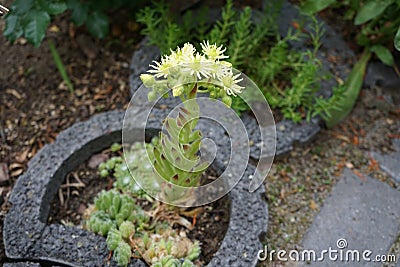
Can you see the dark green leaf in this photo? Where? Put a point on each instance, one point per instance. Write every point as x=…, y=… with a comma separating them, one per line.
x=53, y=7
x=371, y=10
x=97, y=24
x=353, y=86
x=383, y=54
x=314, y=6
x=79, y=11
x=35, y=24
x=100, y=5
x=13, y=28
x=21, y=7
x=397, y=40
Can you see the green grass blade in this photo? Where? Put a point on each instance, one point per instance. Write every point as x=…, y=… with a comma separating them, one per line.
x=60, y=66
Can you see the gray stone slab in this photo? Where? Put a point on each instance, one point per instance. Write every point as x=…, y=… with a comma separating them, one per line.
x=396, y=144
x=363, y=212
x=389, y=163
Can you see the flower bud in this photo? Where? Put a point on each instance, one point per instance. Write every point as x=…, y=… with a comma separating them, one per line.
x=152, y=96
x=227, y=100
x=178, y=90
x=148, y=80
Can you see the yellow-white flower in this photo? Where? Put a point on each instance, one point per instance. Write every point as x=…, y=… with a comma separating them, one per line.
x=213, y=52
x=229, y=83
x=162, y=69
x=187, y=51
x=220, y=68
x=197, y=67
x=185, y=65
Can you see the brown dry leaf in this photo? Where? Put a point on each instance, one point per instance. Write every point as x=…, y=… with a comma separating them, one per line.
x=99, y=97
x=373, y=164
x=16, y=173
x=87, y=46
x=313, y=205
x=23, y=156
x=349, y=165
x=22, y=41
x=360, y=175
x=4, y=177
x=15, y=165
x=82, y=208
x=332, y=58
x=116, y=30
x=342, y=137
x=71, y=30
x=107, y=90
x=14, y=92
x=356, y=140
x=282, y=193
x=54, y=28
x=133, y=26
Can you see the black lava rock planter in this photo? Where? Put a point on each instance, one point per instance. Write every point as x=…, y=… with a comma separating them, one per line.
x=22, y=264
x=288, y=133
x=27, y=236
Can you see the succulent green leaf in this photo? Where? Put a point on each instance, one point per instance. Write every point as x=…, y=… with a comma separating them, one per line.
x=353, y=86
x=371, y=10
x=195, y=252
x=122, y=254
x=126, y=228
x=188, y=263
x=114, y=238
x=100, y=222
x=168, y=261
x=104, y=173
x=116, y=147
x=383, y=54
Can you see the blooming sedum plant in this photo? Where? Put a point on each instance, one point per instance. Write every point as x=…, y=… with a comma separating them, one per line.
x=185, y=65
x=187, y=73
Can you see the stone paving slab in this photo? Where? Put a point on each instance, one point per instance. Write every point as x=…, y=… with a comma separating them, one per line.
x=390, y=163
x=363, y=212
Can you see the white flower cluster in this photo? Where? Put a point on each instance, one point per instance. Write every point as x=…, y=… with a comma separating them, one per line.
x=187, y=65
